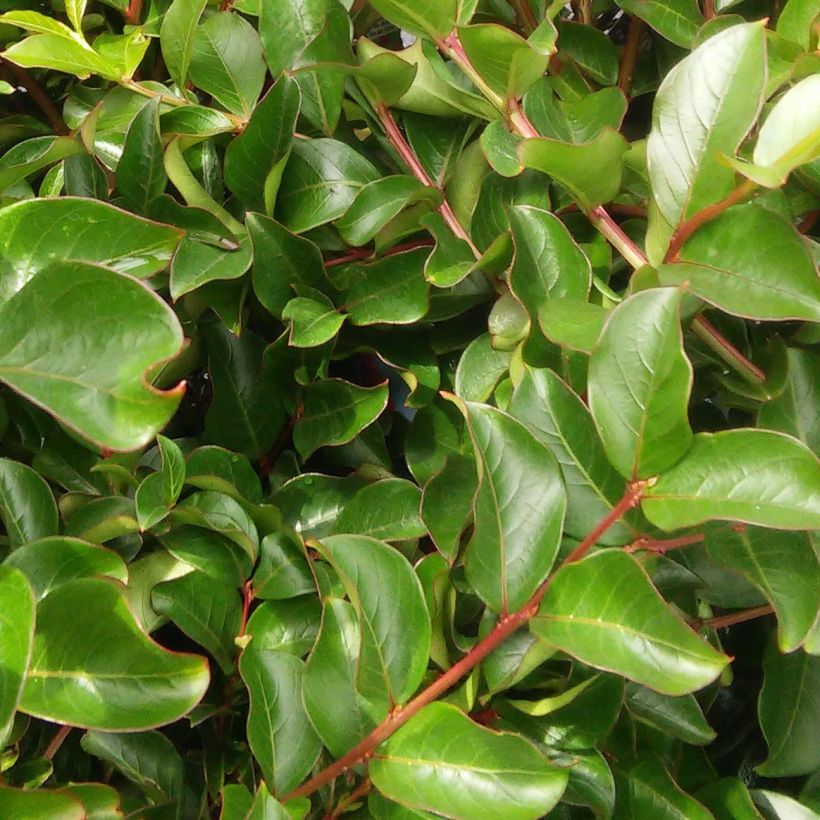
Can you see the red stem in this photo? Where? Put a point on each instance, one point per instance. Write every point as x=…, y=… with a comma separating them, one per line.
x=722, y=621
x=807, y=223
x=133, y=13
x=630, y=58
x=524, y=13
x=56, y=742
x=705, y=215
x=360, y=791
x=39, y=96
x=505, y=627
x=663, y=545
x=707, y=332
x=364, y=253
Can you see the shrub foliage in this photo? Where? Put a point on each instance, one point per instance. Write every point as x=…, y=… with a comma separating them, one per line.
x=409, y=409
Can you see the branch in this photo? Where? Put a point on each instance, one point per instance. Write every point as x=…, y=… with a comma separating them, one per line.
x=57, y=741
x=133, y=13
x=39, y=97
x=662, y=546
x=705, y=215
x=360, y=791
x=505, y=627
x=366, y=253
x=630, y=58
x=709, y=335
x=723, y=621
x=523, y=11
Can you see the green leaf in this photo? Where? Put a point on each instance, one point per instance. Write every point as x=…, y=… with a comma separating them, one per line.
x=283, y=570
x=376, y=204
x=244, y=415
x=314, y=320
x=507, y=62
x=480, y=369
x=447, y=503
x=197, y=263
x=391, y=290
x=99, y=801
x=40, y=804
x=266, y=807
x=16, y=635
x=208, y=612
x=572, y=323
x=56, y=51
x=393, y=617
x=559, y=419
x=46, y=335
x=591, y=171
x=676, y=20
x=254, y=161
x=648, y=789
x=591, y=50
x=140, y=173
x=79, y=230
x=148, y=759
x=30, y=156
x=677, y=716
x=282, y=262
x=728, y=799
x=335, y=412
x=387, y=510
x=703, y=109
x=289, y=626
x=27, y=505
x=639, y=385
x=50, y=562
x=753, y=476
x=795, y=22
x=433, y=18
x=226, y=62
x=769, y=275
x=548, y=263
x=312, y=502
x=443, y=761
x=92, y=665
x=783, y=565
x=214, y=468
x=604, y=611
x=518, y=510
x=320, y=182
x=176, y=36
x=343, y=720
x=279, y=733
x=789, y=711
x=796, y=410
x=210, y=552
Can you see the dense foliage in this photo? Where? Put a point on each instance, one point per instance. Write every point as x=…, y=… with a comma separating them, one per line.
x=409, y=410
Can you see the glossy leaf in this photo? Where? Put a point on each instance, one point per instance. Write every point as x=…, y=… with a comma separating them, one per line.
x=17, y=615
x=704, y=108
x=314, y=320
x=753, y=476
x=279, y=733
x=140, y=173
x=287, y=626
x=789, y=709
x=98, y=233
x=434, y=18
x=387, y=510
x=648, y=787
x=639, y=384
x=572, y=323
x=441, y=760
x=518, y=509
x=678, y=716
x=677, y=20
x=394, y=621
x=105, y=399
x=40, y=804
x=177, y=36
x=85, y=637
x=558, y=418
x=26, y=504
x=605, y=612
x=336, y=411
x=283, y=570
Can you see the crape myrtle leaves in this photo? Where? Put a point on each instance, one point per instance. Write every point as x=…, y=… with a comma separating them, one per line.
x=604, y=611
x=648, y=789
x=290, y=626
x=93, y=666
x=783, y=565
x=279, y=733
x=639, y=384
x=27, y=506
x=81, y=230
x=17, y=615
x=141, y=174
x=431, y=18
x=768, y=275
x=387, y=510
x=41, y=804
x=518, y=509
x=335, y=412
x=176, y=36
x=677, y=20
x=254, y=161
x=443, y=762
x=789, y=711
x=705, y=106
x=393, y=617
x=753, y=476
x=678, y=716
x=558, y=418
x=71, y=308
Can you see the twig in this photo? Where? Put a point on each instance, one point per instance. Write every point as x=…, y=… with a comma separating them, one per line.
x=722, y=621
x=57, y=741
x=709, y=9
x=133, y=13
x=365, y=253
x=39, y=97
x=705, y=215
x=505, y=627
x=662, y=546
x=524, y=13
x=360, y=791
x=630, y=58
x=709, y=335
